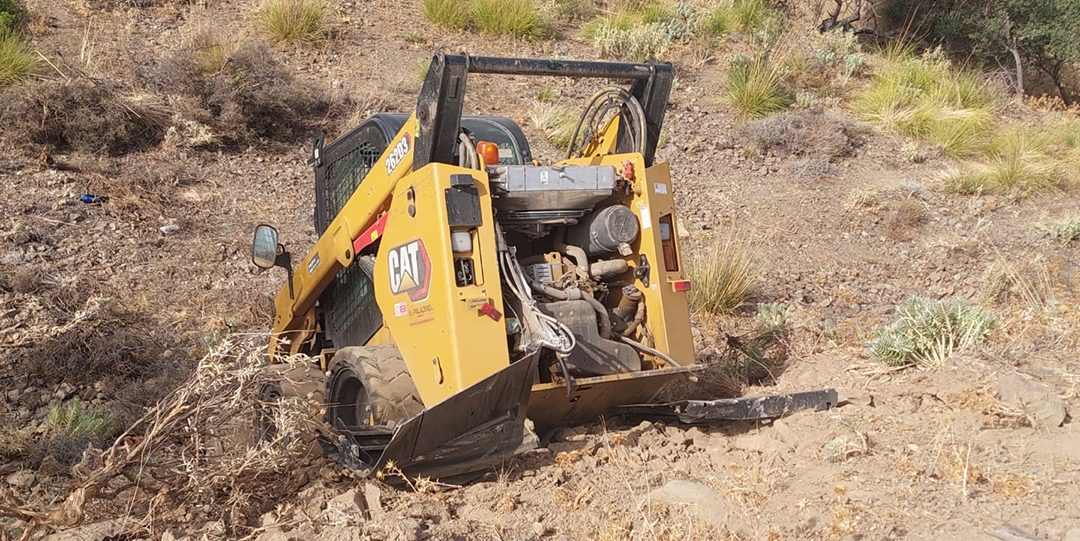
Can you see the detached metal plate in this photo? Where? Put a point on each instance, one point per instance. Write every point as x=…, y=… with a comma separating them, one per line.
x=735, y=409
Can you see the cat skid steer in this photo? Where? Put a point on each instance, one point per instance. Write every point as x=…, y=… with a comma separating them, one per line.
x=459, y=288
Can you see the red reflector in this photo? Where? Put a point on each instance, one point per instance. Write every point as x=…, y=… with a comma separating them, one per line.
x=488, y=310
x=681, y=286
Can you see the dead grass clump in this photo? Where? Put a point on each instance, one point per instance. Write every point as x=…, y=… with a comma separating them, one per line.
x=21, y=279
x=806, y=132
x=94, y=338
x=252, y=97
x=84, y=114
x=188, y=442
x=904, y=221
x=555, y=121
x=996, y=414
x=1029, y=281
x=724, y=276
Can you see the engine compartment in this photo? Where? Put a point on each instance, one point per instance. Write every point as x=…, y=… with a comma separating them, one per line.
x=567, y=239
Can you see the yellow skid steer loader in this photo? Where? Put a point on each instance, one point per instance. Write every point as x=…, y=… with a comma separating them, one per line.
x=459, y=287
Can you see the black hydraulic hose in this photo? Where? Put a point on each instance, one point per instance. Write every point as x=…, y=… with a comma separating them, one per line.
x=601, y=310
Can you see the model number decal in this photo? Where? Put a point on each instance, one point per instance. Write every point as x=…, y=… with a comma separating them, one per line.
x=313, y=264
x=397, y=155
x=410, y=270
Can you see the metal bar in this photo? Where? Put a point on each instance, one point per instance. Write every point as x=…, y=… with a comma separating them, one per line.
x=735, y=409
x=559, y=68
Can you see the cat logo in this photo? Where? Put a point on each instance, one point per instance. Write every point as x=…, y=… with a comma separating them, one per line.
x=410, y=270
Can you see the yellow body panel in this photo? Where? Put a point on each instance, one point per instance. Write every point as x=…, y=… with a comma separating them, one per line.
x=447, y=343
x=294, y=319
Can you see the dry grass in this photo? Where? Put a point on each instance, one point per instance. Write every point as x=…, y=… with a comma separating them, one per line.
x=724, y=275
x=754, y=87
x=91, y=115
x=1017, y=161
x=518, y=18
x=447, y=13
x=298, y=22
x=926, y=97
x=1028, y=280
x=189, y=440
x=903, y=223
x=556, y=122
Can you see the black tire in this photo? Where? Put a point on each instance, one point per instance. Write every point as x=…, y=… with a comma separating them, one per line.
x=303, y=381
x=370, y=386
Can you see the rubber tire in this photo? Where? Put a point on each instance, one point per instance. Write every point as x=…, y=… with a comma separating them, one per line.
x=305, y=381
x=384, y=384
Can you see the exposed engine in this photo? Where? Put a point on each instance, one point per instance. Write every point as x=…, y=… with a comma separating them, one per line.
x=566, y=244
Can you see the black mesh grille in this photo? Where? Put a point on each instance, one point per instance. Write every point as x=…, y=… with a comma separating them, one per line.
x=351, y=314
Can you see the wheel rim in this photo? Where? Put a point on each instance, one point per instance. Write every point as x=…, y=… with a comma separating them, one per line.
x=351, y=408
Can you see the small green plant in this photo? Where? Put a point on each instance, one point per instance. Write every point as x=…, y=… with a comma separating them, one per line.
x=519, y=18
x=1066, y=231
x=72, y=419
x=719, y=22
x=754, y=87
x=11, y=14
x=447, y=13
x=751, y=15
x=772, y=317
x=927, y=331
x=299, y=22
x=555, y=121
x=17, y=61
x=724, y=276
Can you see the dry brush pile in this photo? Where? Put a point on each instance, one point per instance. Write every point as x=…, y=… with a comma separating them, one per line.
x=191, y=455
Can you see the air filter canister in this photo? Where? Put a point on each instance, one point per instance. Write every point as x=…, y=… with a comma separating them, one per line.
x=603, y=231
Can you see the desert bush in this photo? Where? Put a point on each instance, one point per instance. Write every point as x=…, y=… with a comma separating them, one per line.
x=754, y=87
x=642, y=31
x=84, y=114
x=17, y=61
x=724, y=276
x=518, y=18
x=448, y=13
x=298, y=22
x=926, y=97
x=556, y=122
x=927, y=331
x=806, y=132
x=1066, y=231
x=210, y=48
x=1016, y=161
x=251, y=97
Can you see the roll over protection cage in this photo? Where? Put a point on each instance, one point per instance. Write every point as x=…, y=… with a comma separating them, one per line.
x=442, y=96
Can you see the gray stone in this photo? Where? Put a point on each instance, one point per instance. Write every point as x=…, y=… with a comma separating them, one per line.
x=1072, y=535
x=1036, y=400
x=373, y=499
x=701, y=502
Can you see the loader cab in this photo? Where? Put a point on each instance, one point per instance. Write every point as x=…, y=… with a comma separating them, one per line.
x=350, y=314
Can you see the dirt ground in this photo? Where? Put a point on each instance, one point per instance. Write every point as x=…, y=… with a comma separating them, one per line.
x=844, y=237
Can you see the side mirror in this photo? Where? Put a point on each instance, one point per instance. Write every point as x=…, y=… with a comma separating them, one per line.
x=265, y=248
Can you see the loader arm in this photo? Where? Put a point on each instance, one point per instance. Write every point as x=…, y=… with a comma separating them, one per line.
x=294, y=320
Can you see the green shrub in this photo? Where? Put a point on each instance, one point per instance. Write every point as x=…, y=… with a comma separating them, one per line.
x=750, y=15
x=754, y=87
x=927, y=331
x=519, y=18
x=724, y=276
x=73, y=419
x=293, y=21
x=17, y=61
x=719, y=22
x=11, y=14
x=926, y=97
x=448, y=13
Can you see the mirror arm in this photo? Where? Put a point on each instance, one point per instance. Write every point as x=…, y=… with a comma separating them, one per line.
x=284, y=260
